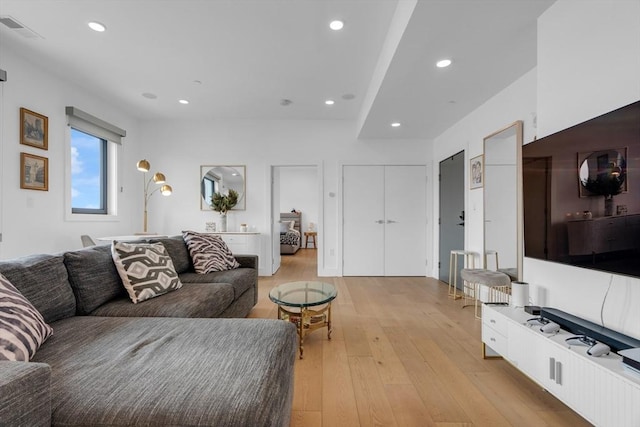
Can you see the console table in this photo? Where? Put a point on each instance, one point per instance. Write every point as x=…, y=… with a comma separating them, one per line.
x=245, y=243
x=600, y=389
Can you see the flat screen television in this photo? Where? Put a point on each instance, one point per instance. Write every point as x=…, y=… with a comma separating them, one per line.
x=581, y=194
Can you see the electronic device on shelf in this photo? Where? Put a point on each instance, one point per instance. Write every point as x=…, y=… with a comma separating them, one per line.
x=582, y=339
x=550, y=328
x=578, y=326
x=546, y=325
x=596, y=349
x=532, y=309
x=631, y=359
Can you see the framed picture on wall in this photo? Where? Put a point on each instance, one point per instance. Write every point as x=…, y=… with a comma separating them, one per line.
x=34, y=129
x=34, y=172
x=476, y=175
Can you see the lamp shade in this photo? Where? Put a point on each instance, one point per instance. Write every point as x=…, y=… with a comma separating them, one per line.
x=159, y=178
x=166, y=190
x=143, y=166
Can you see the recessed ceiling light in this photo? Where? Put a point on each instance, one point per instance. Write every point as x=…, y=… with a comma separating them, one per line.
x=395, y=124
x=443, y=63
x=183, y=101
x=96, y=26
x=329, y=102
x=336, y=25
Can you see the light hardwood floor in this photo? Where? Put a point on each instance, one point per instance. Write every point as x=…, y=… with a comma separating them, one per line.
x=404, y=354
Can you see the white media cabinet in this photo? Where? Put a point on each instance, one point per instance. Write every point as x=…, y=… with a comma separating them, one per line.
x=600, y=389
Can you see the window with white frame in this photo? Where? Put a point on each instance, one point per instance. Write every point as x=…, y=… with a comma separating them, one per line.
x=89, y=173
x=93, y=153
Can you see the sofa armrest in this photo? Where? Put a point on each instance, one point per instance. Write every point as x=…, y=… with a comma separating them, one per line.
x=247, y=261
x=25, y=394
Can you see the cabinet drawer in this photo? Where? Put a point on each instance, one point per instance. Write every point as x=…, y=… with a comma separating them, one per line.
x=494, y=320
x=235, y=240
x=495, y=340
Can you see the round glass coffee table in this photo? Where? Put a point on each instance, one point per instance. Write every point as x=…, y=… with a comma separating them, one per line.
x=295, y=300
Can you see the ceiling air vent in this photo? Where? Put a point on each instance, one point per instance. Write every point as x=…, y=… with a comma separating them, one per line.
x=16, y=26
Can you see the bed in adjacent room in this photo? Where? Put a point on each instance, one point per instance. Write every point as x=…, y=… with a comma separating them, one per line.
x=290, y=239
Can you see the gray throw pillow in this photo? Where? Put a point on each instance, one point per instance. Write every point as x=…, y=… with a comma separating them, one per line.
x=146, y=269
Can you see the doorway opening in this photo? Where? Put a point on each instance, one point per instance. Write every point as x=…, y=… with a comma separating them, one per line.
x=452, y=214
x=295, y=189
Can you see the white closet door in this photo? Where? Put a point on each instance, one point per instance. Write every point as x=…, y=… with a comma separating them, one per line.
x=405, y=221
x=363, y=215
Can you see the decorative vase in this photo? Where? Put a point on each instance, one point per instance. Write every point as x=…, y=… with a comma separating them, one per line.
x=223, y=221
x=608, y=205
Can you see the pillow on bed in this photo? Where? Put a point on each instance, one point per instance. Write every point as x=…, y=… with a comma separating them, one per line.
x=286, y=226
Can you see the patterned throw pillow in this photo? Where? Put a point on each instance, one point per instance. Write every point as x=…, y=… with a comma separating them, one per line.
x=22, y=327
x=146, y=269
x=209, y=252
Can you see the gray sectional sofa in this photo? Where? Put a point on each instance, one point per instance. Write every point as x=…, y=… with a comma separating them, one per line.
x=179, y=359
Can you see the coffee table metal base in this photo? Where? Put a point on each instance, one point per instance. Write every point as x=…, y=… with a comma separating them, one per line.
x=307, y=321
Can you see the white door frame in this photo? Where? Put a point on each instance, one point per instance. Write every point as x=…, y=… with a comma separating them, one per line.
x=320, y=226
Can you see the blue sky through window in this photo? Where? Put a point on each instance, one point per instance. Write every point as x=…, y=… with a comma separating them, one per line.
x=86, y=173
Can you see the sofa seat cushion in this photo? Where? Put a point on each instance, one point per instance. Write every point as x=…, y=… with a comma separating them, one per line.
x=170, y=372
x=43, y=280
x=191, y=300
x=93, y=277
x=240, y=279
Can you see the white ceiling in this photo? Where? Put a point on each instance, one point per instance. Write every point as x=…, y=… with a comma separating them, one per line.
x=248, y=55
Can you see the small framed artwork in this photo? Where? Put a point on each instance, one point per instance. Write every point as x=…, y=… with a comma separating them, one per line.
x=477, y=172
x=34, y=172
x=34, y=129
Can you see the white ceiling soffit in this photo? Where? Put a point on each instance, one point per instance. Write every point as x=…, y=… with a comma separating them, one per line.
x=491, y=44
x=237, y=59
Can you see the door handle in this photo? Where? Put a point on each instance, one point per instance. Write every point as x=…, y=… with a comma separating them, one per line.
x=390, y=221
x=380, y=221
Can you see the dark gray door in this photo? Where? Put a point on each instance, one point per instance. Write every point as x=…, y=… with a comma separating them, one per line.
x=451, y=212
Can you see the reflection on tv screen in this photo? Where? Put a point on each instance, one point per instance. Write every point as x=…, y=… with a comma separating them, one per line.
x=581, y=191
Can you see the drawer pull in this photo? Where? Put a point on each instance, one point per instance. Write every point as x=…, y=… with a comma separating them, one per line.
x=492, y=339
x=492, y=321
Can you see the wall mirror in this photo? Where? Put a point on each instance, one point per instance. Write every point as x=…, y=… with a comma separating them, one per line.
x=602, y=172
x=215, y=178
x=503, y=200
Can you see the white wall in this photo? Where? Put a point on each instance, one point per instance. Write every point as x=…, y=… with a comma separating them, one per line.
x=299, y=191
x=34, y=221
x=259, y=144
x=516, y=102
x=588, y=60
x=588, y=64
